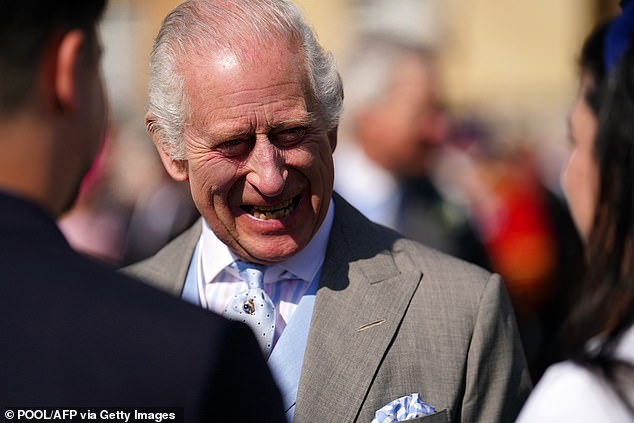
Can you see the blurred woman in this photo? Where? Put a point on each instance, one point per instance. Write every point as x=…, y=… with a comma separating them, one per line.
x=596, y=383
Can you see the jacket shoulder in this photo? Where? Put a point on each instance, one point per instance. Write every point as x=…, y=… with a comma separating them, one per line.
x=167, y=268
x=371, y=238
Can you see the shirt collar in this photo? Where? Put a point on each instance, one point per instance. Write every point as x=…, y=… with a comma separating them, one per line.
x=305, y=264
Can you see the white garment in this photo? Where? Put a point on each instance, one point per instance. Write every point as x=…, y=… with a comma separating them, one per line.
x=569, y=393
x=367, y=186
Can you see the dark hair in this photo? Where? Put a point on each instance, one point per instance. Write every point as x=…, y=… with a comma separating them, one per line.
x=26, y=26
x=591, y=62
x=604, y=305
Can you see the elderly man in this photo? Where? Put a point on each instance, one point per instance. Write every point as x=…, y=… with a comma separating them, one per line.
x=75, y=333
x=244, y=105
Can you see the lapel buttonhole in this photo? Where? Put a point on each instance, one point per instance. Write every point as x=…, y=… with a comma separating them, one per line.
x=370, y=325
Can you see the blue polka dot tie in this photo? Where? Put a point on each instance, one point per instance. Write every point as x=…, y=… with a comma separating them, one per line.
x=253, y=306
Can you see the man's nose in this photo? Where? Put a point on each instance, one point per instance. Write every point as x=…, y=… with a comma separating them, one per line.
x=266, y=170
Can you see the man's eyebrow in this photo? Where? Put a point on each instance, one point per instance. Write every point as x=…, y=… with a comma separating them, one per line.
x=229, y=133
x=307, y=120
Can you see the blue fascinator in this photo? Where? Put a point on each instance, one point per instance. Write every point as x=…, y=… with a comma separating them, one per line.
x=619, y=35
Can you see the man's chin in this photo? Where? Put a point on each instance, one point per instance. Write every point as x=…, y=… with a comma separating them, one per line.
x=271, y=252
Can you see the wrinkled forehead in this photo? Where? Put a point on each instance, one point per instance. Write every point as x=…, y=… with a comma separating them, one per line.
x=252, y=59
x=223, y=83
x=247, y=54
x=249, y=67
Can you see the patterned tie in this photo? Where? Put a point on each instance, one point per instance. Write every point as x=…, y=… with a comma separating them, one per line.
x=253, y=306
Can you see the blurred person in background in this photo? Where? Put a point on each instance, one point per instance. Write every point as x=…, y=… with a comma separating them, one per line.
x=526, y=229
x=119, y=222
x=163, y=209
x=96, y=225
x=74, y=332
x=393, y=128
x=596, y=383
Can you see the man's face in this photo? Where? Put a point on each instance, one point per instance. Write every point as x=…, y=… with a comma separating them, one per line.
x=259, y=160
x=404, y=129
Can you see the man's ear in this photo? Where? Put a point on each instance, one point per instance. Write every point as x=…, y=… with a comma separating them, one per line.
x=177, y=169
x=68, y=68
x=332, y=138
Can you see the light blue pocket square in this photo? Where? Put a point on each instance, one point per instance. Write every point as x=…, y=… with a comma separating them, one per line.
x=405, y=408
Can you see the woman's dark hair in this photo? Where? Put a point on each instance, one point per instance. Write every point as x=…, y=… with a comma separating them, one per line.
x=603, y=308
x=26, y=26
x=591, y=62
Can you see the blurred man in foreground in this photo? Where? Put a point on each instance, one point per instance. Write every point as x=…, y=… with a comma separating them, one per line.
x=74, y=333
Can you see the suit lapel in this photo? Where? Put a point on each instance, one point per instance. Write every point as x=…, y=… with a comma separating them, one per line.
x=359, y=305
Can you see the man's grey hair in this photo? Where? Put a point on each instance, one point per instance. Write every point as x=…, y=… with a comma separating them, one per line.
x=198, y=26
x=370, y=68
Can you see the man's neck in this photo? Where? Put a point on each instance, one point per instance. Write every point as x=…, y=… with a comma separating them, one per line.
x=26, y=168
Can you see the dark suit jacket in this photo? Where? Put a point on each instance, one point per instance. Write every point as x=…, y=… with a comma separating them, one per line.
x=427, y=217
x=391, y=318
x=77, y=334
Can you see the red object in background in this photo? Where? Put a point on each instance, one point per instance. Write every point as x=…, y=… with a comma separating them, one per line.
x=522, y=242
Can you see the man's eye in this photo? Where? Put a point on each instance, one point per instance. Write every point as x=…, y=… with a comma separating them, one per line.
x=234, y=148
x=288, y=137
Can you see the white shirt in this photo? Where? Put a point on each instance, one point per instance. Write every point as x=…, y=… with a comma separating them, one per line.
x=366, y=185
x=568, y=392
x=285, y=282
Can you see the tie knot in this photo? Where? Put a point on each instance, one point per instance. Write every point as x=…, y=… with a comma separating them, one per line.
x=252, y=273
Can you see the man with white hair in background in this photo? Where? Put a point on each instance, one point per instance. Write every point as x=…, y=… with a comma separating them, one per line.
x=393, y=132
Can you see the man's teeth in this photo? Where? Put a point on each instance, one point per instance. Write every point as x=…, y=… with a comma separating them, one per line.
x=273, y=212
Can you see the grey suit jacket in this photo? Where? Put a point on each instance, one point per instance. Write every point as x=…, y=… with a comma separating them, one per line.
x=391, y=318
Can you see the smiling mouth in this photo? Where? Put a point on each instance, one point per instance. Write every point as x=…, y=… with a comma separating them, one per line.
x=277, y=211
